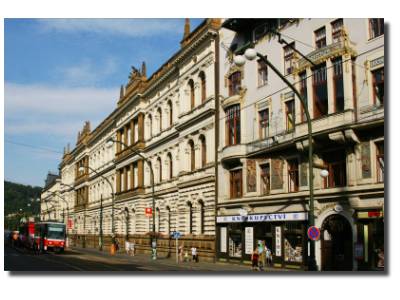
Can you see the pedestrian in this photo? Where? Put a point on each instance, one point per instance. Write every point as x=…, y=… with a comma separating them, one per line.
x=194, y=254
x=254, y=260
x=127, y=247
x=180, y=253
x=186, y=256
x=116, y=245
x=261, y=255
x=268, y=255
x=132, y=248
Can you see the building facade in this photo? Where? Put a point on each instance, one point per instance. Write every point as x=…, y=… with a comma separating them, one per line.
x=263, y=153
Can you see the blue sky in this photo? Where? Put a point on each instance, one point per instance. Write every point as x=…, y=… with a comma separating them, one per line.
x=61, y=72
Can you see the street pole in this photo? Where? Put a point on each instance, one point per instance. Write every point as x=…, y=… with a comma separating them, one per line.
x=154, y=240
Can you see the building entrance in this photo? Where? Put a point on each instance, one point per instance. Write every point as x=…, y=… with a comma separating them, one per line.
x=337, y=241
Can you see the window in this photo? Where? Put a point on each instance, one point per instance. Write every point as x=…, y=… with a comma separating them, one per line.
x=159, y=163
x=262, y=73
x=191, y=87
x=290, y=115
x=135, y=175
x=378, y=85
x=376, y=28
x=293, y=175
x=170, y=113
x=320, y=38
x=320, y=91
x=159, y=113
x=380, y=163
x=190, y=207
x=203, y=151
x=288, y=54
x=150, y=126
x=235, y=83
x=265, y=179
x=264, y=123
x=338, y=84
x=232, y=125
x=203, y=86
x=169, y=157
x=192, y=156
x=337, y=30
x=236, y=184
x=168, y=219
x=335, y=163
x=303, y=93
x=201, y=227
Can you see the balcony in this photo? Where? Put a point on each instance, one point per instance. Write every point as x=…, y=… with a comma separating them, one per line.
x=123, y=154
x=233, y=151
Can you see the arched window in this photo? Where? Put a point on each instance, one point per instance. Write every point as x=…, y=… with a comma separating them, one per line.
x=158, y=219
x=203, y=151
x=126, y=211
x=169, y=158
x=191, y=87
x=150, y=126
x=203, y=86
x=159, y=169
x=192, y=156
x=170, y=113
x=201, y=225
x=190, y=229
x=159, y=113
x=133, y=221
x=168, y=219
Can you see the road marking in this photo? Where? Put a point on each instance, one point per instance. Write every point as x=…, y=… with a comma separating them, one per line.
x=61, y=263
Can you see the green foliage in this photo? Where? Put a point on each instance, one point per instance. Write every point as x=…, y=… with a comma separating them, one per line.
x=18, y=196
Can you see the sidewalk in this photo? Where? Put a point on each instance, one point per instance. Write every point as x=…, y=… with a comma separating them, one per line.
x=169, y=264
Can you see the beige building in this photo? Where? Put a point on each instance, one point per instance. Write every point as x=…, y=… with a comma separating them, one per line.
x=263, y=172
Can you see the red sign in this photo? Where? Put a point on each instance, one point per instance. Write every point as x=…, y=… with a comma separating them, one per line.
x=313, y=233
x=148, y=211
x=70, y=224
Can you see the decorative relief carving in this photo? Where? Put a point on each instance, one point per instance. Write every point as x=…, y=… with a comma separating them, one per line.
x=365, y=159
x=277, y=174
x=251, y=176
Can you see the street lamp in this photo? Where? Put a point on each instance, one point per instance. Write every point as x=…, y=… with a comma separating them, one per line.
x=110, y=143
x=82, y=169
x=251, y=54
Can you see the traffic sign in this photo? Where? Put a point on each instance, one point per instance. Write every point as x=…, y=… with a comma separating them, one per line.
x=313, y=233
x=176, y=234
x=148, y=211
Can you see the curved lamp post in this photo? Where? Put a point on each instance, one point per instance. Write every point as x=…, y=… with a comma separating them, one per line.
x=112, y=250
x=251, y=54
x=110, y=143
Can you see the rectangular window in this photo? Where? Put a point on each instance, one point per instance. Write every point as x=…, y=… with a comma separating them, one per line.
x=293, y=175
x=128, y=182
x=235, y=83
x=320, y=38
x=290, y=115
x=288, y=54
x=265, y=179
x=335, y=164
x=264, y=123
x=129, y=136
x=337, y=30
x=376, y=28
x=380, y=162
x=232, y=125
x=303, y=93
x=135, y=175
x=338, y=84
x=378, y=85
x=135, y=131
x=320, y=90
x=262, y=73
x=236, y=184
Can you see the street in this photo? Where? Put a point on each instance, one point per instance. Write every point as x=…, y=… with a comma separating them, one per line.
x=18, y=259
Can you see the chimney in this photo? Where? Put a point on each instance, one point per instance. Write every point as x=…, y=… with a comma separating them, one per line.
x=144, y=71
x=187, y=28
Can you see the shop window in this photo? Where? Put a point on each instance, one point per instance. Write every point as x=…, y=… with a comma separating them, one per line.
x=320, y=91
x=235, y=242
x=293, y=242
x=303, y=93
x=337, y=30
x=290, y=115
x=235, y=80
x=378, y=85
x=236, y=187
x=262, y=73
x=232, y=125
x=203, y=86
x=264, y=123
x=335, y=163
x=293, y=175
x=376, y=28
x=320, y=38
x=288, y=54
x=338, y=84
x=203, y=151
x=265, y=179
x=380, y=163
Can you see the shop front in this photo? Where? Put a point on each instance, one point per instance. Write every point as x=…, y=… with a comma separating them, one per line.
x=369, y=248
x=283, y=233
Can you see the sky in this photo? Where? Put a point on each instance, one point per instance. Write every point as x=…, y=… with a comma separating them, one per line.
x=62, y=72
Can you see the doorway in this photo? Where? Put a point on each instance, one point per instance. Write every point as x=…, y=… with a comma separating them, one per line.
x=337, y=244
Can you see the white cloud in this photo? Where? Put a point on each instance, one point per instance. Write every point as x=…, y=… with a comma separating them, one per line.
x=129, y=27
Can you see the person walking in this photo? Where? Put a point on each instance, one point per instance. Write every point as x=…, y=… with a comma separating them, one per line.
x=268, y=255
x=180, y=253
x=254, y=260
x=194, y=254
x=261, y=255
